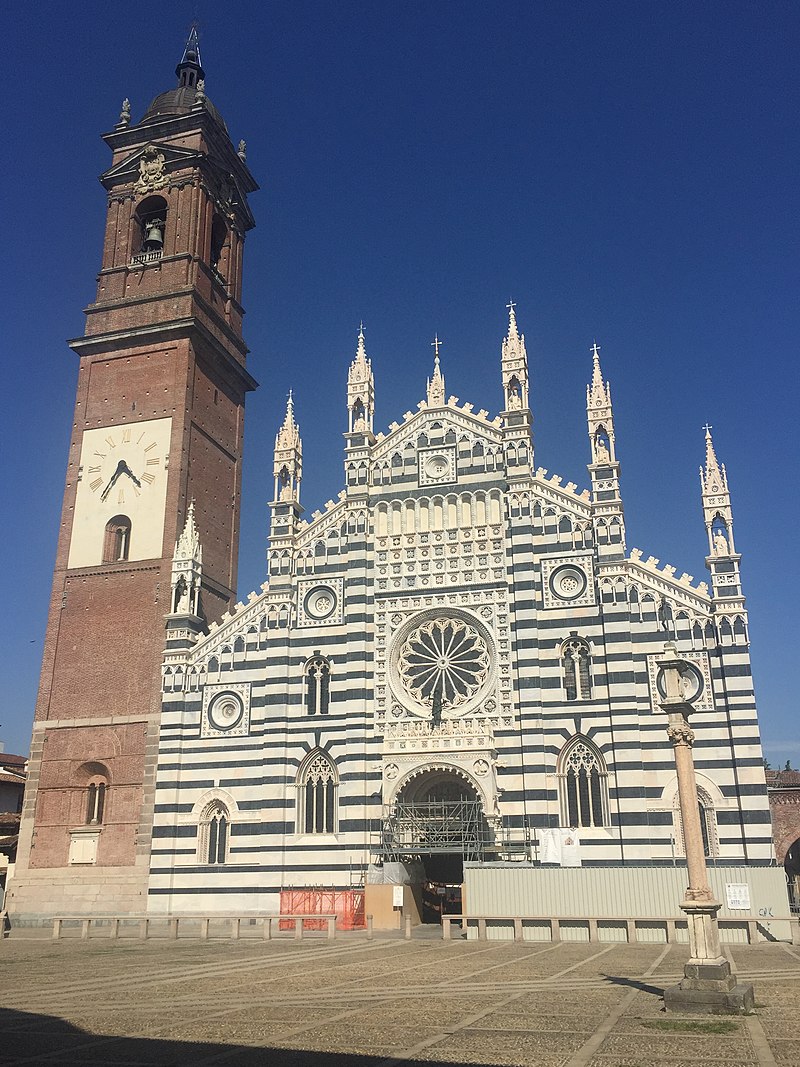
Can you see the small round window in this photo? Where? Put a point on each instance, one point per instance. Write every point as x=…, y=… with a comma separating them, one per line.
x=320, y=602
x=568, y=582
x=225, y=711
x=437, y=466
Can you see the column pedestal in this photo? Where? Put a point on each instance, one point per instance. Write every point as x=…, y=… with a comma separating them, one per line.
x=708, y=985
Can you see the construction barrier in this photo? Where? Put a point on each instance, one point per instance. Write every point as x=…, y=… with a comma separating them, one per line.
x=346, y=904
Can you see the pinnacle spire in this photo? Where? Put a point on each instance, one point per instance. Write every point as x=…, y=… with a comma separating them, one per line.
x=713, y=476
x=436, y=381
x=597, y=374
x=188, y=544
x=288, y=465
x=289, y=425
x=361, y=349
x=190, y=69
x=513, y=332
x=598, y=393
x=360, y=389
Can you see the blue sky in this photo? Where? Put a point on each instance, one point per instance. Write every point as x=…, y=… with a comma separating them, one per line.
x=624, y=171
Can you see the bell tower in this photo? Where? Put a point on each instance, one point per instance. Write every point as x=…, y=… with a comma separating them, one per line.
x=158, y=423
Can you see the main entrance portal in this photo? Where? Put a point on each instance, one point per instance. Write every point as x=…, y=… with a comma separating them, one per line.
x=438, y=820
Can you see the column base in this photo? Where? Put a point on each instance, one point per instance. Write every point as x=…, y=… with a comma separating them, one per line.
x=710, y=987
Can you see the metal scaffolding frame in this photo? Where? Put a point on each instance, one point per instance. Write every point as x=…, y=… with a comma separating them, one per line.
x=454, y=827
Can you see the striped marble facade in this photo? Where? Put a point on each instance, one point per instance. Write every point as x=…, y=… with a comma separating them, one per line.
x=291, y=729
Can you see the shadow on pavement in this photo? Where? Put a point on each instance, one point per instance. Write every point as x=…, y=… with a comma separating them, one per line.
x=45, y=1039
x=632, y=983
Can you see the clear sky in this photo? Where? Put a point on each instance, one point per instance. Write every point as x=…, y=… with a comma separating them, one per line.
x=624, y=171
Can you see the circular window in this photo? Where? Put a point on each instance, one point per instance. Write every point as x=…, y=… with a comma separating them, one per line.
x=437, y=466
x=444, y=658
x=692, y=683
x=568, y=582
x=320, y=602
x=225, y=711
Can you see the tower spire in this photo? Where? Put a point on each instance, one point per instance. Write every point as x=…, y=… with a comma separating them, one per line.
x=360, y=390
x=717, y=509
x=436, y=380
x=514, y=363
x=722, y=559
x=288, y=466
x=713, y=477
x=599, y=413
x=604, y=469
x=187, y=568
x=190, y=69
x=512, y=320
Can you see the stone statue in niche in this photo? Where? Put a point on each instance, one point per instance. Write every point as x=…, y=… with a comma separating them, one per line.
x=359, y=421
x=601, y=454
x=181, y=597
x=514, y=399
x=720, y=543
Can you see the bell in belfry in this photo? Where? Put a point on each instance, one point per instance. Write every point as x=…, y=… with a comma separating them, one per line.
x=154, y=236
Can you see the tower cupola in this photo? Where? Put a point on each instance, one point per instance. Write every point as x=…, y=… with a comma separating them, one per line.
x=190, y=69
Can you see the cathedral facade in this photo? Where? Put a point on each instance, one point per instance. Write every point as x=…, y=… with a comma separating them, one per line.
x=455, y=660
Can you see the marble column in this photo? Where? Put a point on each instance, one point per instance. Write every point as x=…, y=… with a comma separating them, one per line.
x=709, y=984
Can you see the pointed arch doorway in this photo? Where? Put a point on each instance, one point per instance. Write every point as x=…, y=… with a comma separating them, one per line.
x=438, y=820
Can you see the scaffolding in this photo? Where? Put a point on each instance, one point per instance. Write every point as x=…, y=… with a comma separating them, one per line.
x=452, y=827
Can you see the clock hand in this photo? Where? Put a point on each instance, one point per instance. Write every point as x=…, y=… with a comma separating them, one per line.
x=120, y=467
x=126, y=470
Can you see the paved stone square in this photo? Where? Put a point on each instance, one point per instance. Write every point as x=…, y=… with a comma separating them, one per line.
x=376, y=1003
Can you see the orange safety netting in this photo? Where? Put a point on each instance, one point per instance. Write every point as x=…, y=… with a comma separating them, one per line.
x=346, y=904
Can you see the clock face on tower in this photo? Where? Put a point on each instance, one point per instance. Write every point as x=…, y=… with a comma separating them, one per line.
x=121, y=494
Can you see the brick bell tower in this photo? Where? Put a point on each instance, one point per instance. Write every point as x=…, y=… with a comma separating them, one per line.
x=158, y=423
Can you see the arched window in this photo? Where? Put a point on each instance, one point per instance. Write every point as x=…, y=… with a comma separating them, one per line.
x=117, y=540
x=149, y=227
x=708, y=824
x=575, y=665
x=95, y=802
x=219, y=234
x=582, y=784
x=212, y=839
x=317, y=788
x=318, y=685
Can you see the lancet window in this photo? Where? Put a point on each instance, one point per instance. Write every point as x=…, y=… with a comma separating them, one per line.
x=582, y=785
x=317, y=789
x=212, y=839
x=318, y=685
x=576, y=669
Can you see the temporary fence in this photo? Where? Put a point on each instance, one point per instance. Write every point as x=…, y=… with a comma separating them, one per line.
x=346, y=904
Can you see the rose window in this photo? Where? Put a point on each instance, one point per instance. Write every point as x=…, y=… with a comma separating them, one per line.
x=446, y=658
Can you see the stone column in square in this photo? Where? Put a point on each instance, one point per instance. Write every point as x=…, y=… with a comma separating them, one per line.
x=709, y=984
